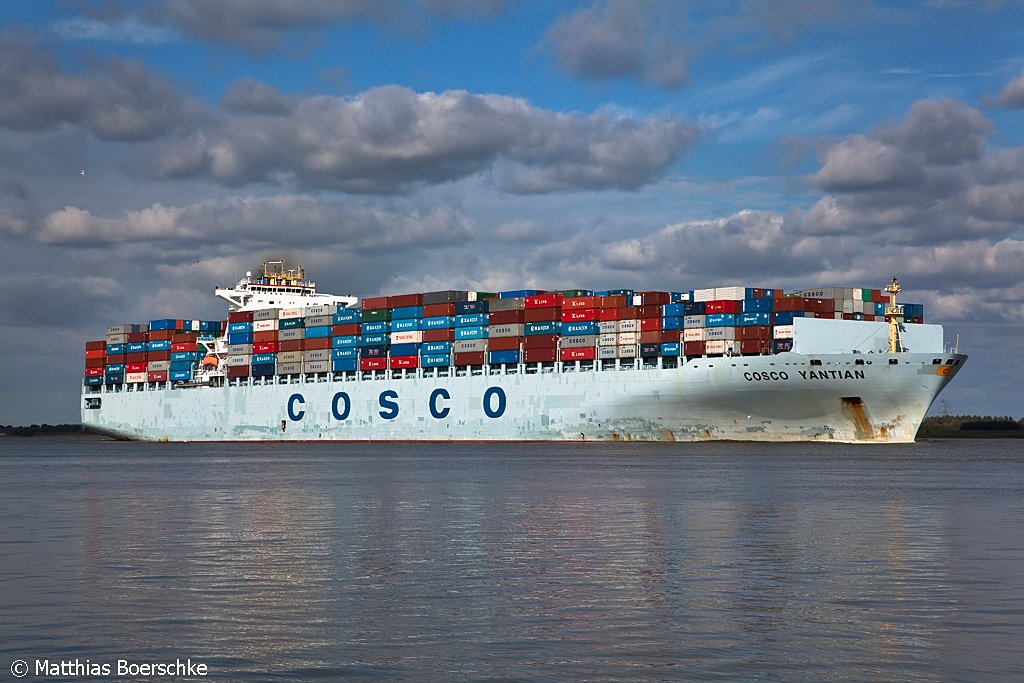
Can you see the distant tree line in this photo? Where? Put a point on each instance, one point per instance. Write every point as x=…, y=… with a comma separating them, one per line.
x=32, y=430
x=971, y=423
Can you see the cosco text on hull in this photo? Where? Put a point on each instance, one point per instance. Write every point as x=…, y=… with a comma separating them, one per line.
x=492, y=404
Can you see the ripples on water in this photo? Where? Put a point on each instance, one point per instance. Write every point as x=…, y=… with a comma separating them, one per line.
x=519, y=562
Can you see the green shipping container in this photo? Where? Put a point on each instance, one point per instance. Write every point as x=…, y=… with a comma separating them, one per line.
x=376, y=315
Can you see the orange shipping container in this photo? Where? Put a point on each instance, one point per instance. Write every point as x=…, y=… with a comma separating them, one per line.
x=95, y=353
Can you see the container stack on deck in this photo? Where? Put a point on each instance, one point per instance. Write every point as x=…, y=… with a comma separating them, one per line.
x=461, y=328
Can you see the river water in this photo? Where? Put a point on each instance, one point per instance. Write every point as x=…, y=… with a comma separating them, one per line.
x=476, y=562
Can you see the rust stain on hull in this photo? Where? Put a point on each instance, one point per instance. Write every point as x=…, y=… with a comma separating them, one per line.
x=853, y=408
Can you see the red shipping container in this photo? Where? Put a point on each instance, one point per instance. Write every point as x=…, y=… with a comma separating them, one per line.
x=585, y=353
x=604, y=314
x=180, y=337
x=578, y=302
x=373, y=363
x=545, y=355
x=94, y=372
x=827, y=316
x=504, y=343
x=290, y=345
x=671, y=336
x=136, y=357
x=403, y=362
x=626, y=313
x=97, y=345
x=135, y=367
x=345, y=330
x=116, y=359
x=754, y=332
x=659, y=298
x=158, y=355
x=651, y=337
x=755, y=346
x=95, y=353
x=161, y=335
x=312, y=344
x=135, y=337
x=540, y=315
x=544, y=301
x=95, y=362
x=650, y=324
x=403, y=300
x=790, y=303
x=265, y=347
x=869, y=317
x=579, y=314
x=470, y=358
x=848, y=316
x=648, y=311
x=723, y=306
x=505, y=317
x=540, y=341
x=612, y=302
x=183, y=346
x=161, y=375
x=694, y=348
x=240, y=316
x=372, y=303
x=436, y=310
x=238, y=371
x=264, y=336
x=443, y=334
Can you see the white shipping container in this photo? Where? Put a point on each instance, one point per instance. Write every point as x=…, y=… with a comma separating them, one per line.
x=135, y=378
x=730, y=293
x=847, y=306
x=469, y=345
x=693, y=334
x=782, y=332
x=316, y=354
x=294, y=333
x=629, y=326
x=607, y=352
x=608, y=340
x=410, y=337
x=264, y=325
x=240, y=350
x=265, y=314
x=608, y=326
x=289, y=313
x=158, y=365
x=510, y=330
x=317, y=310
x=119, y=338
x=638, y=300
x=317, y=320
x=715, y=347
x=233, y=361
x=715, y=333
x=704, y=294
x=627, y=338
x=627, y=351
x=289, y=357
x=693, y=321
x=289, y=368
x=316, y=366
x=582, y=342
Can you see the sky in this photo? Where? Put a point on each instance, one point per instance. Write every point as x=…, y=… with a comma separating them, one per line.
x=394, y=146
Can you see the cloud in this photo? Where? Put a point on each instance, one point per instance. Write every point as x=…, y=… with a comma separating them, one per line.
x=116, y=100
x=131, y=30
x=1011, y=96
x=620, y=39
x=389, y=138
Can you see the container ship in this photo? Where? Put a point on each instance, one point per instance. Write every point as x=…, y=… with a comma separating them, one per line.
x=725, y=363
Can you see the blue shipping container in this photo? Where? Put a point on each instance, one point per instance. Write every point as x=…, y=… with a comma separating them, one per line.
x=290, y=323
x=264, y=358
x=672, y=323
x=180, y=375
x=547, y=327
x=782, y=345
x=318, y=332
x=753, y=319
x=757, y=305
x=720, y=320
x=375, y=327
x=470, y=333
x=344, y=342
x=471, y=307
x=438, y=323
x=439, y=360
x=135, y=347
x=470, y=319
x=406, y=312
x=344, y=364
x=649, y=350
x=670, y=349
x=181, y=365
x=502, y=357
x=434, y=348
x=786, y=317
x=233, y=338
x=673, y=310
x=693, y=308
x=373, y=352
x=113, y=379
x=879, y=308
x=580, y=328
x=184, y=356
x=516, y=293
x=239, y=327
x=93, y=381
x=340, y=354
x=162, y=324
x=373, y=340
x=117, y=349
x=114, y=369
x=405, y=349
x=165, y=344
x=262, y=370
x=406, y=325
x=347, y=315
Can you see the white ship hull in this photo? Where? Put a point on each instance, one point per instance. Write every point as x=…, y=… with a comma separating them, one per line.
x=840, y=397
